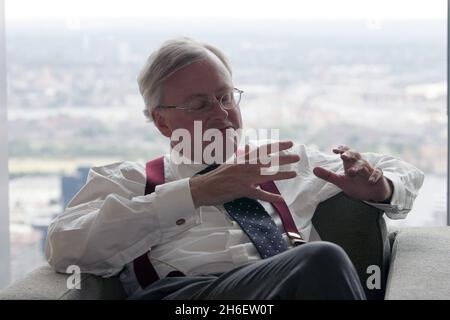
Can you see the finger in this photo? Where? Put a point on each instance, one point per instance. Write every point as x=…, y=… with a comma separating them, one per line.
x=375, y=176
x=340, y=149
x=328, y=176
x=353, y=172
x=281, y=160
x=270, y=148
x=281, y=175
x=351, y=156
x=265, y=196
x=347, y=162
x=360, y=167
x=253, y=155
x=288, y=158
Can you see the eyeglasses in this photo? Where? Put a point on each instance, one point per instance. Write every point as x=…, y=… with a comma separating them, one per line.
x=228, y=101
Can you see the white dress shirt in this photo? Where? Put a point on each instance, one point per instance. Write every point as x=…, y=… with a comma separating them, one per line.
x=110, y=221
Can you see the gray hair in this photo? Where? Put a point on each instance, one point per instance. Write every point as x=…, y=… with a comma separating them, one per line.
x=172, y=56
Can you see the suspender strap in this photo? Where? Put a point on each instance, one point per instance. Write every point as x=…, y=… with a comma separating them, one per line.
x=143, y=268
x=144, y=271
x=155, y=174
x=285, y=214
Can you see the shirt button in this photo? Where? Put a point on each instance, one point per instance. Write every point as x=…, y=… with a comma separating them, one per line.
x=180, y=222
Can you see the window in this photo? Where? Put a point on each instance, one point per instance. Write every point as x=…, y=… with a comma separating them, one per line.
x=355, y=73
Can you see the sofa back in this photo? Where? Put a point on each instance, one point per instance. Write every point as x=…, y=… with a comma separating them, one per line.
x=45, y=284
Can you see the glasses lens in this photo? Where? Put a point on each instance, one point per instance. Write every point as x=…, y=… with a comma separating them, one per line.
x=227, y=101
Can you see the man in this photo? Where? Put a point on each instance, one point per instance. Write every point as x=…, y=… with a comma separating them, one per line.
x=187, y=226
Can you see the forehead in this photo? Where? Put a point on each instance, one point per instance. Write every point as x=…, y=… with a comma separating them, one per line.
x=204, y=77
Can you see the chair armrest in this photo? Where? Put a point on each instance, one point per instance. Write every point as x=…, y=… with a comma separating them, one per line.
x=361, y=231
x=45, y=284
x=420, y=263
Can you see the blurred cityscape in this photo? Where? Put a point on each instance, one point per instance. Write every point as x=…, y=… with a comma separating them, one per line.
x=73, y=101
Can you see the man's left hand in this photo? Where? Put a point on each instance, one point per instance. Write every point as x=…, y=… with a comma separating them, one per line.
x=360, y=180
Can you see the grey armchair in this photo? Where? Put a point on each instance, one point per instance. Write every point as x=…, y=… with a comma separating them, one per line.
x=417, y=266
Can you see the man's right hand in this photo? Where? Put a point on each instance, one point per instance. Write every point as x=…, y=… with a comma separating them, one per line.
x=231, y=181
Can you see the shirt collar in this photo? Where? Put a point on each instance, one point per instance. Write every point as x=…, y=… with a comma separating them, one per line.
x=182, y=167
x=185, y=169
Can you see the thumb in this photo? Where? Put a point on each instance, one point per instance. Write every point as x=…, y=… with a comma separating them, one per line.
x=327, y=175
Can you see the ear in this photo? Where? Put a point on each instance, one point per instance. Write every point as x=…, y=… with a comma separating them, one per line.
x=161, y=123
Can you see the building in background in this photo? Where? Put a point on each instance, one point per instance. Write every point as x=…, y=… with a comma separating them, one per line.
x=70, y=185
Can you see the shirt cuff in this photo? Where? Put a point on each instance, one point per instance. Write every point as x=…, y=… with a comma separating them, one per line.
x=175, y=208
x=395, y=209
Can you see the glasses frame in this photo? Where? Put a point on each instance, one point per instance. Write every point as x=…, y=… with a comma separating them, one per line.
x=188, y=109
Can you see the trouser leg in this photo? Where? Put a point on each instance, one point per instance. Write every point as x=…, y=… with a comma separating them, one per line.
x=317, y=270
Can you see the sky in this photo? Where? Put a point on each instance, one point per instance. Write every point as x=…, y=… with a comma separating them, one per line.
x=26, y=10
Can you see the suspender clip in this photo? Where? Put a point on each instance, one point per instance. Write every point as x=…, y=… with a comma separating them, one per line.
x=296, y=239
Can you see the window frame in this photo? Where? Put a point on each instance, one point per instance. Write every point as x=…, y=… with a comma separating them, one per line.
x=448, y=106
x=5, y=257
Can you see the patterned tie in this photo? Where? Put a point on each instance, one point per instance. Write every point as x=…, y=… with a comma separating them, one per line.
x=256, y=223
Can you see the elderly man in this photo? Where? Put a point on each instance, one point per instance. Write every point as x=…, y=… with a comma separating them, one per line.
x=189, y=230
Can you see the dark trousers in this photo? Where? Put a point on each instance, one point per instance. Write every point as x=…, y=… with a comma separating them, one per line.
x=316, y=270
